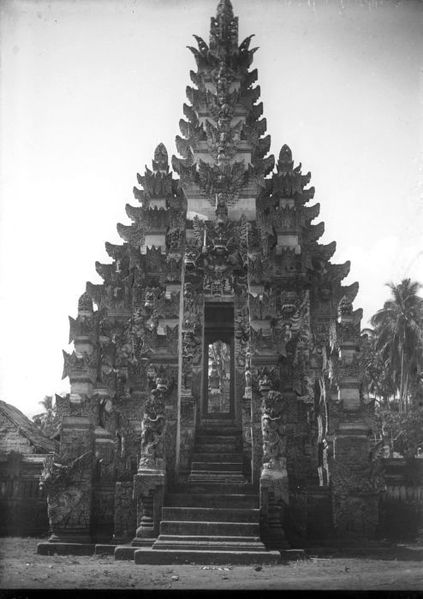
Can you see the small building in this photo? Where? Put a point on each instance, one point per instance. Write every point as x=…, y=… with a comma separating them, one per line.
x=23, y=449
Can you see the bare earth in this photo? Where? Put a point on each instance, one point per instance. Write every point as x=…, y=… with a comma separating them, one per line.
x=22, y=568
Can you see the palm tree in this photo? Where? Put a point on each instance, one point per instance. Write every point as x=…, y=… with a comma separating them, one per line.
x=377, y=379
x=47, y=403
x=47, y=420
x=398, y=329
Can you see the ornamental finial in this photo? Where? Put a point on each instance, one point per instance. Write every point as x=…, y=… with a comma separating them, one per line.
x=85, y=303
x=224, y=30
x=160, y=161
x=225, y=10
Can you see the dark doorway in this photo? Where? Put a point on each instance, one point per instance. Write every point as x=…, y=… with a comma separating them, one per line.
x=218, y=376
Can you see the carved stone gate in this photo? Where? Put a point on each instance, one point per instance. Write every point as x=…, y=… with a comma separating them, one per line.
x=221, y=304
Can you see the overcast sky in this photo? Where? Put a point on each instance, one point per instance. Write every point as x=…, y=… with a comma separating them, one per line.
x=89, y=88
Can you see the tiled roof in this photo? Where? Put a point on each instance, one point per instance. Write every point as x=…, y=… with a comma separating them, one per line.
x=28, y=429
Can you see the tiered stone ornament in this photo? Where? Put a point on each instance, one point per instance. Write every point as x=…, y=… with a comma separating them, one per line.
x=222, y=248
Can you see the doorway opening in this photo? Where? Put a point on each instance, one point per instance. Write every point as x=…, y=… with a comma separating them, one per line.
x=218, y=375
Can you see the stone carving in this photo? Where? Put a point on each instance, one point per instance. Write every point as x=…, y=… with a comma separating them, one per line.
x=153, y=429
x=356, y=489
x=66, y=491
x=294, y=329
x=125, y=512
x=273, y=422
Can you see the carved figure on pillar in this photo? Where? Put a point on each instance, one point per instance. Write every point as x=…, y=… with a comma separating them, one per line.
x=68, y=501
x=274, y=489
x=153, y=430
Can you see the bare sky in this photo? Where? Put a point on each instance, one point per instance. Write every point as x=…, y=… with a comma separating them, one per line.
x=89, y=88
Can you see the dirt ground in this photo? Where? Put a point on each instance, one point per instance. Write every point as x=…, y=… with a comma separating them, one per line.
x=399, y=568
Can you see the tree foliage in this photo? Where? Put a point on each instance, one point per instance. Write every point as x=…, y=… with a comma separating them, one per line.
x=398, y=340
x=392, y=363
x=47, y=420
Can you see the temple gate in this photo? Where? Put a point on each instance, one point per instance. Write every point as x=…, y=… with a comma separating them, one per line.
x=216, y=410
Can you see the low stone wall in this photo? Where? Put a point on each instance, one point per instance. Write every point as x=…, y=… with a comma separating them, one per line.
x=309, y=515
x=23, y=507
x=401, y=504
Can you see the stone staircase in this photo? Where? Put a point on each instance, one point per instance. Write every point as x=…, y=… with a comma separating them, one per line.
x=214, y=517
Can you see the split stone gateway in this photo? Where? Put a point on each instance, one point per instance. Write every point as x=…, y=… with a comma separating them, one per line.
x=216, y=412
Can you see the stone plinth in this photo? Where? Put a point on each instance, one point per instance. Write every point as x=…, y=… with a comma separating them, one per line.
x=149, y=488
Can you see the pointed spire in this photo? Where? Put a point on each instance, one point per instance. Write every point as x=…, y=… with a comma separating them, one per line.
x=224, y=10
x=85, y=304
x=285, y=162
x=160, y=160
x=224, y=30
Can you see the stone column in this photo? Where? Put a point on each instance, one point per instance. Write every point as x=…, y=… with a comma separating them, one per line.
x=149, y=487
x=355, y=480
x=190, y=355
x=274, y=488
x=125, y=518
x=150, y=480
x=68, y=481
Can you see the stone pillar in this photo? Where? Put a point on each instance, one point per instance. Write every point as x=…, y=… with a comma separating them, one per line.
x=150, y=480
x=246, y=419
x=243, y=375
x=187, y=417
x=355, y=480
x=68, y=481
x=355, y=483
x=274, y=488
x=125, y=517
x=256, y=437
x=149, y=487
x=190, y=355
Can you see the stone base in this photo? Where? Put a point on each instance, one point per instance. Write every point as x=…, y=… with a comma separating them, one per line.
x=125, y=552
x=69, y=535
x=140, y=542
x=65, y=548
x=275, y=539
x=169, y=557
x=104, y=549
x=76, y=548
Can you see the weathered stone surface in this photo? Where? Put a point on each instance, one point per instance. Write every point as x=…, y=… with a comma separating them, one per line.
x=223, y=255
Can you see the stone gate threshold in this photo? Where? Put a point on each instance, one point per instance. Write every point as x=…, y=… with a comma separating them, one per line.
x=145, y=555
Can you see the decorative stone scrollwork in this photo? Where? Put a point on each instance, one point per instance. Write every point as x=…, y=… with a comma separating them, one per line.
x=150, y=479
x=273, y=422
x=67, y=503
x=153, y=431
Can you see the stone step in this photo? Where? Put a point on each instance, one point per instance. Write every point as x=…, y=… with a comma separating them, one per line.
x=234, y=500
x=209, y=539
x=172, y=556
x=217, y=448
x=234, y=456
x=210, y=514
x=205, y=422
x=217, y=466
x=208, y=545
x=218, y=477
x=217, y=439
x=216, y=487
x=223, y=431
x=192, y=527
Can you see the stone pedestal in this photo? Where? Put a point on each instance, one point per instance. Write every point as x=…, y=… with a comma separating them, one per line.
x=354, y=483
x=186, y=432
x=69, y=483
x=274, y=497
x=149, y=488
x=125, y=516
